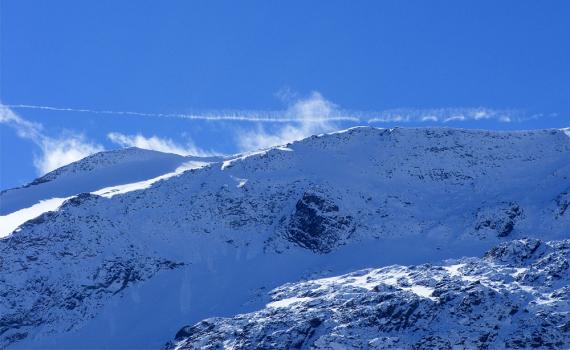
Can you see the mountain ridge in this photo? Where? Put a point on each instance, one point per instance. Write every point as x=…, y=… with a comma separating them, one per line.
x=217, y=236
x=516, y=296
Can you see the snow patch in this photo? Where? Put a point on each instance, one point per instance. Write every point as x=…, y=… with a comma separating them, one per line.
x=453, y=270
x=109, y=192
x=240, y=182
x=228, y=163
x=422, y=291
x=10, y=222
x=287, y=302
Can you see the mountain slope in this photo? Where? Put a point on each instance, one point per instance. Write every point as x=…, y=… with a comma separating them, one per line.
x=211, y=241
x=97, y=171
x=105, y=173
x=517, y=296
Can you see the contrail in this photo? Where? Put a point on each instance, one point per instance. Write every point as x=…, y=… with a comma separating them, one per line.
x=399, y=115
x=250, y=116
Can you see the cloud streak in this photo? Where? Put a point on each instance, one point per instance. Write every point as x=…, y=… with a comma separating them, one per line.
x=302, y=118
x=313, y=115
x=156, y=143
x=54, y=152
x=290, y=115
x=446, y=115
x=223, y=115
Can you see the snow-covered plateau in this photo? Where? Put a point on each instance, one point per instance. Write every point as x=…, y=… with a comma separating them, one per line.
x=367, y=238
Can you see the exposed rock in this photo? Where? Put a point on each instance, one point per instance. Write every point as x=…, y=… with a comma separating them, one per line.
x=317, y=224
x=563, y=203
x=501, y=219
x=470, y=303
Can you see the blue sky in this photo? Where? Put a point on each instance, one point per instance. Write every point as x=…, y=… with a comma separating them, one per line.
x=285, y=69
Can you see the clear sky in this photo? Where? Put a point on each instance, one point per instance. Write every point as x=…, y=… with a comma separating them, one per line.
x=286, y=69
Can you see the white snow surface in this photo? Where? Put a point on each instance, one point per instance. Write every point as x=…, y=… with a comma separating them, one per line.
x=98, y=171
x=10, y=222
x=128, y=266
x=109, y=192
x=116, y=168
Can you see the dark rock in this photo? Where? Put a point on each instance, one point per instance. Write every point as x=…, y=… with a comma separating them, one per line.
x=317, y=224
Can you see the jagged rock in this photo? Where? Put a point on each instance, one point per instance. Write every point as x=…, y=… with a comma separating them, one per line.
x=317, y=224
x=465, y=304
x=501, y=219
x=563, y=203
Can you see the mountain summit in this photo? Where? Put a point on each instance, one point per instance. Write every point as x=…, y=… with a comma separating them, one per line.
x=254, y=239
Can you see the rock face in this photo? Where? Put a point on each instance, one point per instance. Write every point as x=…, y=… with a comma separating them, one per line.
x=128, y=270
x=516, y=297
x=317, y=224
x=31, y=299
x=501, y=219
x=563, y=203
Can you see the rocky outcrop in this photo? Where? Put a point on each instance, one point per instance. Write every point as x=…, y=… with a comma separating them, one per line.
x=563, y=204
x=500, y=219
x=317, y=223
x=516, y=297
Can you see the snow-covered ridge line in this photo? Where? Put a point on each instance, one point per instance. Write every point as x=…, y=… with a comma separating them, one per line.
x=211, y=242
x=12, y=220
x=9, y=223
x=92, y=162
x=105, y=173
x=109, y=192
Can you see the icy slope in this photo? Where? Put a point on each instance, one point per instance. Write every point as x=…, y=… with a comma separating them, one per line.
x=517, y=296
x=106, y=173
x=100, y=170
x=209, y=242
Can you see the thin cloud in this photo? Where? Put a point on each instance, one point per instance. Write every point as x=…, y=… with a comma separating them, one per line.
x=222, y=115
x=313, y=115
x=445, y=115
x=62, y=151
x=429, y=118
x=54, y=152
x=454, y=118
x=158, y=144
x=287, y=116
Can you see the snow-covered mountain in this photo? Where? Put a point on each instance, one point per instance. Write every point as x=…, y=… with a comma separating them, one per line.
x=517, y=297
x=105, y=173
x=100, y=170
x=130, y=265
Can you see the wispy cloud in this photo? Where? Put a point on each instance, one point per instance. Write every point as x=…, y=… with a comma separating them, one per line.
x=454, y=118
x=54, y=151
x=313, y=115
x=57, y=152
x=445, y=115
x=399, y=115
x=158, y=144
x=214, y=115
